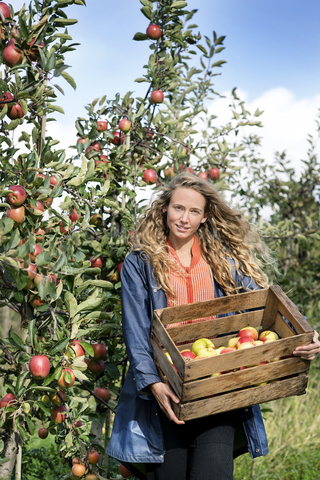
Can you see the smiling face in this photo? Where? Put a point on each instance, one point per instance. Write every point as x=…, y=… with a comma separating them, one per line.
x=185, y=213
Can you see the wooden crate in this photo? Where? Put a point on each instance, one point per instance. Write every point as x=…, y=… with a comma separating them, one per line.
x=202, y=395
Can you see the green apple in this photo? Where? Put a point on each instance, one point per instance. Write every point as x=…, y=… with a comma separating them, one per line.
x=200, y=344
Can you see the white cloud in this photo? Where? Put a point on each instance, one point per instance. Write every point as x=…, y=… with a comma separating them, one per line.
x=287, y=121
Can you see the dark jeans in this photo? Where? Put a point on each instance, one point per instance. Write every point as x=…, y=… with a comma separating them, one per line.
x=202, y=449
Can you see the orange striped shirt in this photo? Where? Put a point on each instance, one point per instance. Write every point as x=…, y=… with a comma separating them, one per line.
x=195, y=285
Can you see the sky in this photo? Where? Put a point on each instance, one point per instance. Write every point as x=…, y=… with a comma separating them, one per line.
x=272, y=53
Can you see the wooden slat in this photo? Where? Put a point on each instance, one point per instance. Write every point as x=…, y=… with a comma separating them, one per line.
x=270, y=311
x=242, y=398
x=233, y=303
x=282, y=328
x=290, y=311
x=165, y=341
x=251, y=356
x=218, y=326
x=166, y=367
x=243, y=378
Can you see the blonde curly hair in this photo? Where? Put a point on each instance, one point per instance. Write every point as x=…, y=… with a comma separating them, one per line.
x=225, y=233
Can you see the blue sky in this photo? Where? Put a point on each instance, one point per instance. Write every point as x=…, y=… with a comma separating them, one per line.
x=272, y=53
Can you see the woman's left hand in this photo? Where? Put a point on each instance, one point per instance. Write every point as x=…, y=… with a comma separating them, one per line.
x=309, y=352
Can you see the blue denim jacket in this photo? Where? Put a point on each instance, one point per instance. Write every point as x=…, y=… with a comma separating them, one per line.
x=137, y=434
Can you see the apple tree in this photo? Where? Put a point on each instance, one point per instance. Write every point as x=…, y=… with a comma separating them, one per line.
x=67, y=223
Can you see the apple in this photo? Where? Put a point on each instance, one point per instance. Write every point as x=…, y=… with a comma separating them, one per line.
x=93, y=457
x=62, y=229
x=227, y=350
x=54, y=278
x=43, y=433
x=78, y=424
x=37, y=250
x=58, y=398
x=169, y=173
x=15, y=111
x=74, y=215
x=124, y=125
x=16, y=214
x=75, y=461
x=47, y=202
x=96, y=366
x=204, y=353
x=6, y=99
x=8, y=399
x=243, y=340
x=244, y=345
x=77, y=348
x=118, y=138
x=168, y=356
x=124, y=472
x=150, y=176
x=268, y=335
x=91, y=476
x=94, y=146
x=17, y=197
x=36, y=301
x=78, y=470
x=5, y=10
x=58, y=414
x=39, y=366
x=148, y=134
x=31, y=269
x=100, y=351
x=157, y=96
x=33, y=52
x=214, y=173
x=102, y=125
x=62, y=382
x=103, y=159
x=54, y=180
x=203, y=175
x=102, y=393
x=202, y=343
x=233, y=342
x=188, y=354
x=38, y=208
x=258, y=342
x=153, y=32
x=11, y=56
x=248, y=332
x=96, y=263
x=218, y=350
x=82, y=140
x=119, y=267
x=45, y=399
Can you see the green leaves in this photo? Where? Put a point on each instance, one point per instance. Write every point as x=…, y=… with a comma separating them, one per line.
x=59, y=346
x=140, y=37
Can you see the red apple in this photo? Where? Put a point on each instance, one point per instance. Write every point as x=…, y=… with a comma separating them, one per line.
x=58, y=398
x=31, y=269
x=74, y=215
x=150, y=176
x=39, y=366
x=103, y=159
x=37, y=250
x=39, y=234
x=78, y=470
x=36, y=301
x=77, y=348
x=11, y=56
x=268, y=335
x=248, y=332
x=102, y=125
x=214, y=173
x=54, y=180
x=78, y=424
x=82, y=140
x=93, y=457
x=188, y=354
x=54, y=278
x=58, y=414
x=6, y=99
x=75, y=461
x=148, y=134
x=94, y=146
x=91, y=476
x=157, y=96
x=17, y=197
x=8, y=399
x=124, y=125
x=153, y=32
x=243, y=340
x=15, y=111
x=5, y=10
x=96, y=366
x=62, y=382
x=124, y=472
x=16, y=214
x=43, y=433
x=33, y=52
x=100, y=351
x=62, y=229
x=227, y=350
x=96, y=263
x=119, y=267
x=203, y=175
x=233, y=342
x=118, y=138
x=102, y=393
x=38, y=208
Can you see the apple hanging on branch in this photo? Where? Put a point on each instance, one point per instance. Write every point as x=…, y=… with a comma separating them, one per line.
x=153, y=32
x=17, y=197
x=157, y=96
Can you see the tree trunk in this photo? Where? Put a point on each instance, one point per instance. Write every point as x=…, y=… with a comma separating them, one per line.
x=12, y=441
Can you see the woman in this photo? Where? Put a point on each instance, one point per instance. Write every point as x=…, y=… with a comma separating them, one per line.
x=190, y=246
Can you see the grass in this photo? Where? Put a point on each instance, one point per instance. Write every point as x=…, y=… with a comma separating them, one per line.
x=293, y=435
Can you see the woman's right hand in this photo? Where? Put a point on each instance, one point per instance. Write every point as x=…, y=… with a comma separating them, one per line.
x=163, y=393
